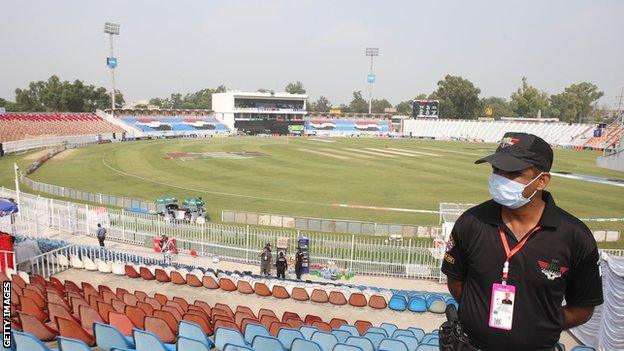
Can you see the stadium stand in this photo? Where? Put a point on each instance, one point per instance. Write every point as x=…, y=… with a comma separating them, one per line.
x=611, y=135
x=20, y=126
x=175, y=124
x=556, y=133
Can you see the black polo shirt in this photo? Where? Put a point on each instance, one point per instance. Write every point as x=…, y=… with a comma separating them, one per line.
x=559, y=261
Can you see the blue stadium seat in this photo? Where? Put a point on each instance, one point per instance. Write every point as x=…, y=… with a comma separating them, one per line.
x=325, y=340
x=377, y=330
x=27, y=342
x=341, y=335
x=307, y=331
x=428, y=347
x=108, y=337
x=266, y=343
x=389, y=328
x=231, y=347
x=401, y=332
x=410, y=341
x=187, y=344
x=392, y=345
x=194, y=332
x=287, y=335
x=417, y=303
x=418, y=333
x=375, y=338
x=345, y=347
x=305, y=345
x=583, y=348
x=67, y=344
x=253, y=329
x=146, y=341
x=361, y=342
x=228, y=336
x=352, y=329
x=398, y=302
x=430, y=338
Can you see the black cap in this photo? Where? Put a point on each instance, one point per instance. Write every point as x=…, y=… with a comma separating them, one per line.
x=519, y=151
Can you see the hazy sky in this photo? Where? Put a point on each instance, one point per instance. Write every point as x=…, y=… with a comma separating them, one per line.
x=184, y=46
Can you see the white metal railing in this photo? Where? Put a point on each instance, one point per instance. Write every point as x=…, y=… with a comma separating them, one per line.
x=30, y=144
x=7, y=256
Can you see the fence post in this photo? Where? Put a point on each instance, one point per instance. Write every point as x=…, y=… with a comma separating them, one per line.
x=87, y=219
x=409, y=257
x=123, y=224
x=352, y=252
x=247, y=244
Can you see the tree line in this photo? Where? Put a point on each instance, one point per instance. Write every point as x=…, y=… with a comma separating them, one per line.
x=459, y=99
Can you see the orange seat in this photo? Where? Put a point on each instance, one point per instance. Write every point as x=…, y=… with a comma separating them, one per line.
x=120, y=292
x=362, y=326
x=276, y=326
x=181, y=302
x=226, y=284
x=118, y=305
x=146, y=274
x=161, y=275
x=357, y=300
x=177, y=278
x=288, y=315
x=261, y=289
x=322, y=326
x=29, y=307
x=294, y=323
x=153, y=302
x=280, y=292
x=240, y=316
x=209, y=282
x=204, y=306
x=169, y=318
x=88, y=315
x=71, y=286
x=93, y=301
x=58, y=299
x=225, y=308
x=377, y=302
x=136, y=315
x=173, y=310
x=310, y=319
x=161, y=298
x=268, y=320
x=146, y=307
x=335, y=323
x=160, y=328
x=319, y=295
x=203, y=323
x=337, y=298
x=130, y=299
x=57, y=310
x=35, y=295
x=131, y=272
x=300, y=294
x=121, y=322
x=225, y=324
x=34, y=326
x=192, y=280
x=19, y=281
x=71, y=329
x=140, y=295
x=102, y=288
x=104, y=309
x=198, y=313
x=245, y=309
x=244, y=287
x=266, y=312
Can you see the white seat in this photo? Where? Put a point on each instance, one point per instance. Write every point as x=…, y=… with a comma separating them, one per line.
x=76, y=262
x=104, y=267
x=24, y=276
x=10, y=272
x=89, y=264
x=183, y=271
x=169, y=269
x=118, y=268
x=197, y=272
x=62, y=260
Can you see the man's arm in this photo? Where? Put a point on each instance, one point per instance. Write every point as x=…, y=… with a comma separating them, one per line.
x=574, y=316
x=455, y=288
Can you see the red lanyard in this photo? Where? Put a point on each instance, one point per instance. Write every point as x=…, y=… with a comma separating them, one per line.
x=515, y=250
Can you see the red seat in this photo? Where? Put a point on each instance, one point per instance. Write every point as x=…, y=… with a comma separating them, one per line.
x=140, y=295
x=276, y=326
x=261, y=289
x=29, y=307
x=177, y=278
x=300, y=294
x=169, y=318
x=181, y=302
x=192, y=280
x=335, y=323
x=162, y=299
x=310, y=319
x=146, y=307
x=146, y=274
x=121, y=322
x=71, y=329
x=136, y=315
x=89, y=315
x=131, y=272
x=203, y=324
x=288, y=315
x=34, y=326
x=319, y=295
x=209, y=282
x=104, y=309
x=362, y=326
x=357, y=300
x=161, y=275
x=322, y=326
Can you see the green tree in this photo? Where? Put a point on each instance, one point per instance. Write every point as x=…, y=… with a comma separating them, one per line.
x=574, y=104
x=378, y=106
x=500, y=107
x=459, y=98
x=295, y=88
x=527, y=101
x=406, y=107
x=358, y=104
x=322, y=104
x=8, y=105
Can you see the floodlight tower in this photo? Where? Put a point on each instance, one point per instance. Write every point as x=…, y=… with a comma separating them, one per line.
x=111, y=61
x=372, y=52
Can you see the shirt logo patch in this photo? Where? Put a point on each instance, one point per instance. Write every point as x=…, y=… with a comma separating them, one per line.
x=448, y=258
x=508, y=141
x=552, y=270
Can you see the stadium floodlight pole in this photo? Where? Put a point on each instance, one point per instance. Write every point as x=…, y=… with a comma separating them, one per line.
x=372, y=52
x=112, y=29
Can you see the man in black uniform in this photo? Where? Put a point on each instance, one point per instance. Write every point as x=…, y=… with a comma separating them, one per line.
x=280, y=265
x=521, y=244
x=298, y=263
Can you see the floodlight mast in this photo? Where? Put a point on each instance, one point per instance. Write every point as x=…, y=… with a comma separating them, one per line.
x=372, y=52
x=112, y=29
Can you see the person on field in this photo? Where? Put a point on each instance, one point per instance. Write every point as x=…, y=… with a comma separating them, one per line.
x=298, y=263
x=512, y=260
x=101, y=234
x=265, y=260
x=281, y=265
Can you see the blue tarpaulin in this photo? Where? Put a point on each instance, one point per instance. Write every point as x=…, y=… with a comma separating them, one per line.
x=7, y=207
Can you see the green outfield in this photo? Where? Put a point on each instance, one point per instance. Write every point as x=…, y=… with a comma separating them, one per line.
x=307, y=177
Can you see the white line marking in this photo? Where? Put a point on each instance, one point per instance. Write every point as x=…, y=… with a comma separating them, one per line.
x=320, y=153
x=452, y=151
x=347, y=153
x=393, y=152
x=415, y=152
x=370, y=152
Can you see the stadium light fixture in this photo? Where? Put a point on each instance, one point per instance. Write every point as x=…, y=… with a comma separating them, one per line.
x=371, y=52
x=111, y=61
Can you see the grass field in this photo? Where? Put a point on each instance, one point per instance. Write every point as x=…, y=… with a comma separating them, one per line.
x=306, y=176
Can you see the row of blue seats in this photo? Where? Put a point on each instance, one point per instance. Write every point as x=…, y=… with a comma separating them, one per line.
x=421, y=302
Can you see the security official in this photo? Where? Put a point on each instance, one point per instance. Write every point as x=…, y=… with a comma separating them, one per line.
x=521, y=247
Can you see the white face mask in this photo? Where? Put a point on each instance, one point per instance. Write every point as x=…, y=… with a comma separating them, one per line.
x=508, y=192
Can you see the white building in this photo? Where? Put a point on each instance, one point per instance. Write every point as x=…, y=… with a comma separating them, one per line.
x=259, y=113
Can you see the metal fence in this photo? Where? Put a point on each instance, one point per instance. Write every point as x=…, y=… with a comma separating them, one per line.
x=330, y=225
x=41, y=216
x=30, y=144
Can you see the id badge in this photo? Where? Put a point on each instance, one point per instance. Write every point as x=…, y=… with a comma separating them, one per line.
x=502, y=306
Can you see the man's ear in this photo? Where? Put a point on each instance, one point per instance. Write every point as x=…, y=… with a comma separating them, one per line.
x=543, y=181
